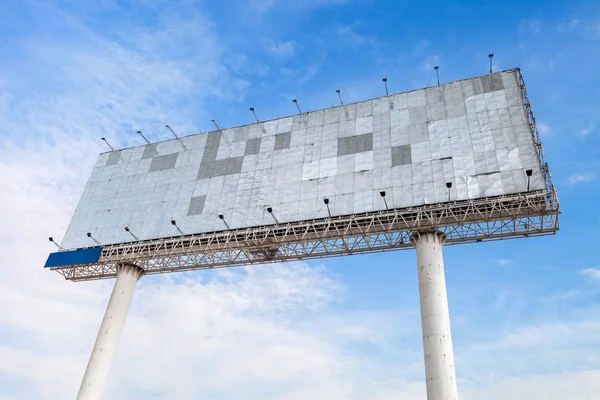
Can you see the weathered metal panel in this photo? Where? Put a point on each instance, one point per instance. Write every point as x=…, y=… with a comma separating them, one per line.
x=473, y=133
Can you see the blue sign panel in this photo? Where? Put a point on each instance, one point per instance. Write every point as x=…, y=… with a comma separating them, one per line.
x=73, y=257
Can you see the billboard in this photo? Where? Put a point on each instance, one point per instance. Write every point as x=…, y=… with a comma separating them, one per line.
x=473, y=134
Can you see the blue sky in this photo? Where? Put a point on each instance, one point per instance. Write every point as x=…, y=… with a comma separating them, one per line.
x=525, y=313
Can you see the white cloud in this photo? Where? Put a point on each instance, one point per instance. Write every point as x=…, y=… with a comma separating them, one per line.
x=544, y=129
x=568, y=25
x=564, y=295
x=503, y=261
x=533, y=63
x=582, y=178
x=540, y=347
x=303, y=74
x=532, y=25
x=263, y=6
x=420, y=47
x=346, y=36
x=187, y=336
x=591, y=273
x=580, y=385
x=549, y=357
x=430, y=62
x=587, y=130
x=280, y=49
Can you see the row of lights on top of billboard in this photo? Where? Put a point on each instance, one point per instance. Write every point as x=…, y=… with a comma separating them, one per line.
x=295, y=101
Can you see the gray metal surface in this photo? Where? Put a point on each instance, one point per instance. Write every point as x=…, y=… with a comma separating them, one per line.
x=473, y=133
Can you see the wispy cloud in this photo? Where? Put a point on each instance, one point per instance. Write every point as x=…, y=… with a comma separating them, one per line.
x=531, y=25
x=582, y=178
x=420, y=47
x=591, y=273
x=556, y=386
x=430, y=61
x=348, y=37
x=564, y=295
x=240, y=325
x=303, y=74
x=589, y=128
x=568, y=25
x=544, y=129
x=546, y=340
x=503, y=261
x=532, y=63
x=263, y=6
x=280, y=49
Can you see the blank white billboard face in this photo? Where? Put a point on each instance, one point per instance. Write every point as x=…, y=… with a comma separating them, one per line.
x=472, y=133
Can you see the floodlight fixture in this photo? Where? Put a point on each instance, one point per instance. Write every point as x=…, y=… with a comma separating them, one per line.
x=491, y=56
x=222, y=218
x=253, y=113
x=176, y=137
x=142, y=135
x=382, y=194
x=108, y=144
x=437, y=73
x=215, y=122
x=326, y=201
x=528, y=172
x=449, y=185
x=339, y=92
x=270, y=211
x=174, y=223
x=171, y=129
x=386, y=88
x=297, y=106
x=89, y=234
x=131, y=233
x=56, y=244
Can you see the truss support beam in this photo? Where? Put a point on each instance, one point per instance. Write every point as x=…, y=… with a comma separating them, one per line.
x=94, y=379
x=467, y=221
x=435, y=318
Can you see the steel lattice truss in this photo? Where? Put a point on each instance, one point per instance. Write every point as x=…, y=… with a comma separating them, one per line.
x=494, y=218
x=536, y=135
x=497, y=218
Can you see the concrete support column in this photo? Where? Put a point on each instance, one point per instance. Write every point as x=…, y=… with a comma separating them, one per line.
x=103, y=352
x=435, y=317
